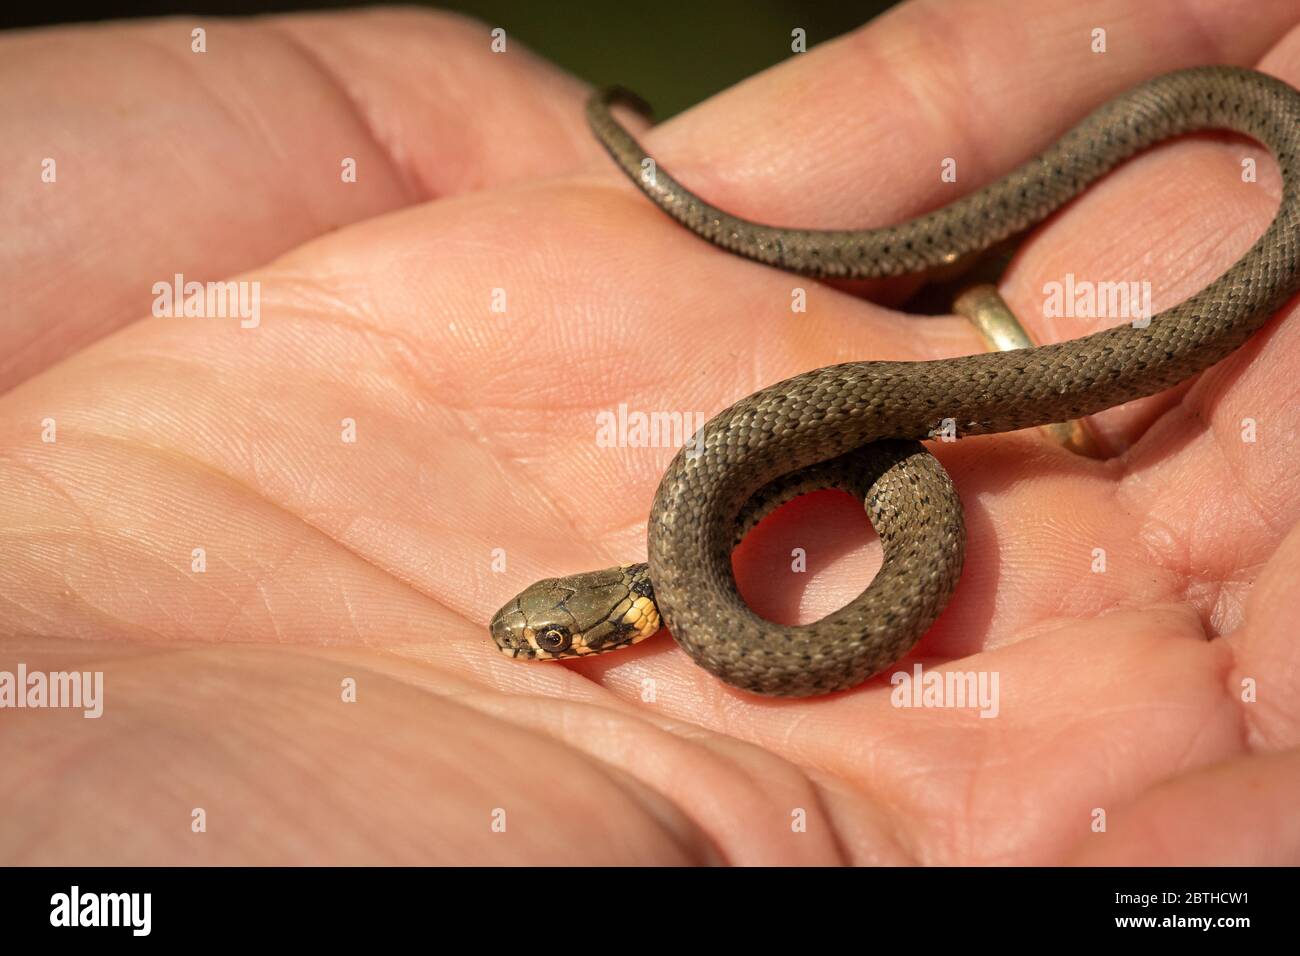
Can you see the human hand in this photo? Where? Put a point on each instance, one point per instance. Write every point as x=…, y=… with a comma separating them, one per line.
x=373, y=560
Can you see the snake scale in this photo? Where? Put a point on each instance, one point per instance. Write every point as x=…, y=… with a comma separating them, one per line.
x=858, y=426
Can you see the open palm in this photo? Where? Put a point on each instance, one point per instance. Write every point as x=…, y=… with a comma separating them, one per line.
x=241, y=526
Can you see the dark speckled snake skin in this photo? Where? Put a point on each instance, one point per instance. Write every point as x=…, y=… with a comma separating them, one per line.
x=857, y=425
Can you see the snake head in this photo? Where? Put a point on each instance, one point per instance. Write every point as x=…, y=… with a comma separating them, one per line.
x=578, y=615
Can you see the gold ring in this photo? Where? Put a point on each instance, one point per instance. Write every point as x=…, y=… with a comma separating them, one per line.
x=983, y=306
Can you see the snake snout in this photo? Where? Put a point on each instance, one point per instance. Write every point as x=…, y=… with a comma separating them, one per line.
x=537, y=625
x=509, y=630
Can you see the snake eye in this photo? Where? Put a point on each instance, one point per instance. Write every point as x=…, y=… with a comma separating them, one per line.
x=554, y=639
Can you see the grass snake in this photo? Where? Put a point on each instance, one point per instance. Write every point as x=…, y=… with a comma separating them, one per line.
x=858, y=426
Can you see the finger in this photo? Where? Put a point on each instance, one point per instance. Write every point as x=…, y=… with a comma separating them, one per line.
x=132, y=157
x=856, y=135
x=219, y=755
x=1237, y=813
x=853, y=135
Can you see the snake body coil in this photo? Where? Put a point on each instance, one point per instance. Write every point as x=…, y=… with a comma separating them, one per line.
x=857, y=426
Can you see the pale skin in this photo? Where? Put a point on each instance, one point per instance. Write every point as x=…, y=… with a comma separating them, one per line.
x=329, y=561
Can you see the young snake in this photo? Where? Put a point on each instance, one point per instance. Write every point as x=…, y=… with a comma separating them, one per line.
x=857, y=426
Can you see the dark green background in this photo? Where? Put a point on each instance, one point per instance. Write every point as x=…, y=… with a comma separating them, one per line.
x=673, y=52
